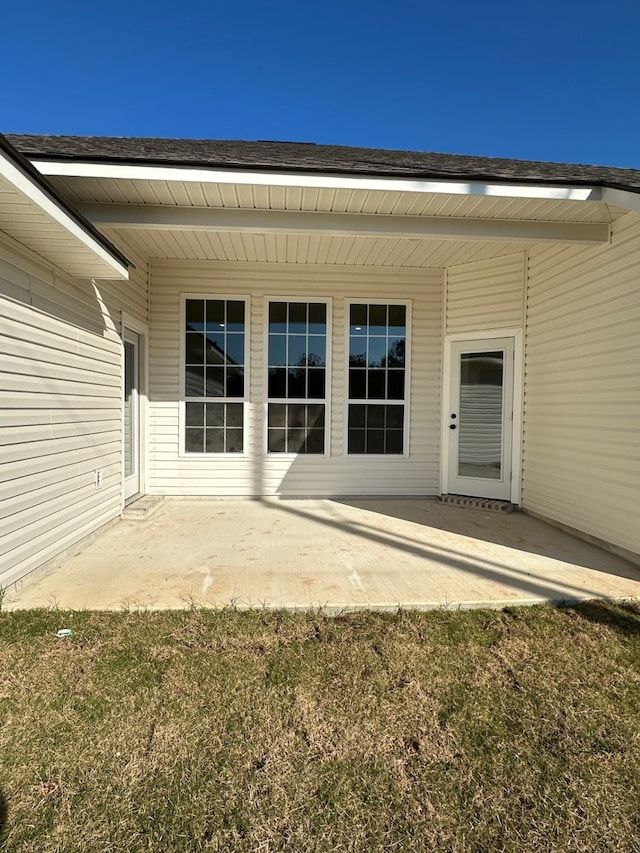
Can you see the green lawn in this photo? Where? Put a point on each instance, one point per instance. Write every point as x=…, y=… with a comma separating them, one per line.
x=270, y=731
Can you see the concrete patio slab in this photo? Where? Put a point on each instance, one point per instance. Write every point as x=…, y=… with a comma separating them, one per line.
x=330, y=554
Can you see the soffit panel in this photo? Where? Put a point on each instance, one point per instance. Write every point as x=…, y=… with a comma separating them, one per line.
x=258, y=197
x=31, y=226
x=306, y=248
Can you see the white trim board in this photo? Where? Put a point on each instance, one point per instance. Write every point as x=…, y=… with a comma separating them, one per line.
x=557, y=192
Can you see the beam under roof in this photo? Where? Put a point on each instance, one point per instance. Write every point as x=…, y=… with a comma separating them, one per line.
x=170, y=218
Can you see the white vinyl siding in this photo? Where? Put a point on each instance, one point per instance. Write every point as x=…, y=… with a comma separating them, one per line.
x=60, y=408
x=262, y=474
x=582, y=387
x=485, y=295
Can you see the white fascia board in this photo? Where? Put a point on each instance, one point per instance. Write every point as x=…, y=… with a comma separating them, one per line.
x=312, y=181
x=29, y=188
x=163, y=217
x=619, y=198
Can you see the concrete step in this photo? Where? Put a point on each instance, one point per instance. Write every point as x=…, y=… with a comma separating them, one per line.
x=142, y=508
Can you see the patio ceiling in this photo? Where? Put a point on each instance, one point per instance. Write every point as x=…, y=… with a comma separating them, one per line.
x=329, y=220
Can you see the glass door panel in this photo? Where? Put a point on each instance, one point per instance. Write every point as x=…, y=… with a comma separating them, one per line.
x=480, y=415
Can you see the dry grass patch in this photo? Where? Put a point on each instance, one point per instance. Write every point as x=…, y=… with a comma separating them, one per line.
x=274, y=731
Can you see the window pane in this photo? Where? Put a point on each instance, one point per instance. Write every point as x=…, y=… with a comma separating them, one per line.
x=315, y=441
x=395, y=389
x=317, y=317
x=234, y=349
x=296, y=440
x=357, y=384
x=194, y=348
x=235, y=414
x=215, y=347
x=194, y=414
x=277, y=350
x=358, y=320
x=296, y=382
x=215, y=382
x=195, y=314
x=235, y=382
x=277, y=438
x=315, y=416
x=297, y=415
x=234, y=441
x=376, y=383
x=194, y=440
x=215, y=414
x=317, y=350
x=297, y=317
x=214, y=441
x=277, y=317
x=356, y=441
x=395, y=442
x=357, y=416
x=194, y=381
x=315, y=390
x=375, y=417
x=397, y=319
x=277, y=416
x=357, y=352
x=395, y=417
x=235, y=316
x=277, y=382
x=377, y=319
x=215, y=314
x=377, y=352
x=375, y=441
x=395, y=355
x=297, y=355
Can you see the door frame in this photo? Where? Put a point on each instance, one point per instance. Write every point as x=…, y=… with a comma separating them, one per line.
x=518, y=377
x=141, y=330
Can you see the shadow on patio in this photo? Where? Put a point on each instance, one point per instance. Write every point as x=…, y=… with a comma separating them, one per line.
x=332, y=554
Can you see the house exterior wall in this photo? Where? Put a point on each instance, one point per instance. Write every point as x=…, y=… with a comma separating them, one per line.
x=61, y=406
x=259, y=473
x=581, y=464
x=485, y=295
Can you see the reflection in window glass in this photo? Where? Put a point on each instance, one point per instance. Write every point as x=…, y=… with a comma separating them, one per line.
x=297, y=359
x=377, y=343
x=214, y=350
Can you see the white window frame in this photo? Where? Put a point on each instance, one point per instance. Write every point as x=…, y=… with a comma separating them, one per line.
x=326, y=401
x=406, y=402
x=234, y=297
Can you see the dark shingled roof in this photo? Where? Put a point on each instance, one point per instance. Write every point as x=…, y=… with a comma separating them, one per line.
x=308, y=157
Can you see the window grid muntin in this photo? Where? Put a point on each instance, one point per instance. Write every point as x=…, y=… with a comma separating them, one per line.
x=222, y=381
x=299, y=379
x=379, y=387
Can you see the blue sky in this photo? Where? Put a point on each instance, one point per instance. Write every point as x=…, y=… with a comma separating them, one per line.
x=531, y=80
